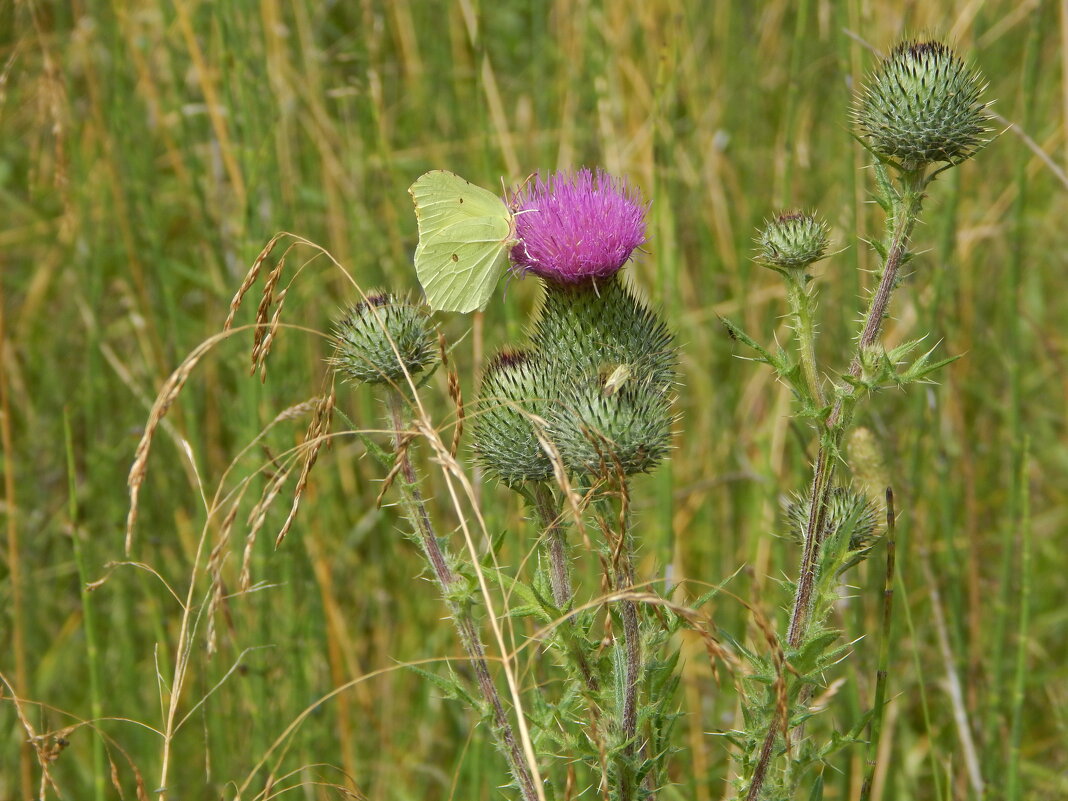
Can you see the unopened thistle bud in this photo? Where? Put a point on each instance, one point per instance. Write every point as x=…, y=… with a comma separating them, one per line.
x=381, y=338
x=581, y=328
x=792, y=241
x=509, y=426
x=922, y=106
x=850, y=514
x=613, y=422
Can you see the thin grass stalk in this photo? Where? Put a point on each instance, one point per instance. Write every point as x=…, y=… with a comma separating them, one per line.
x=14, y=562
x=470, y=638
x=792, y=92
x=918, y=461
x=1011, y=325
x=182, y=655
x=92, y=653
x=1023, y=625
x=875, y=727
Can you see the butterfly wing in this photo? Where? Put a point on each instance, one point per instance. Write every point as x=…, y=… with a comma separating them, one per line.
x=460, y=265
x=464, y=235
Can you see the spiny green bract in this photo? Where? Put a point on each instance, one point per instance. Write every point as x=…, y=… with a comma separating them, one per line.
x=792, y=241
x=512, y=401
x=374, y=332
x=612, y=423
x=922, y=106
x=581, y=328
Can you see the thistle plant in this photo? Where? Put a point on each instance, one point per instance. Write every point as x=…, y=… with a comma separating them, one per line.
x=567, y=417
x=564, y=419
x=918, y=115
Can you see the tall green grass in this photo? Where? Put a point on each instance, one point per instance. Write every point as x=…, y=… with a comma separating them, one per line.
x=151, y=150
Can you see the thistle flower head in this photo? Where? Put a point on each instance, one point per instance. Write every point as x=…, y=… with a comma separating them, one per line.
x=510, y=404
x=576, y=227
x=374, y=332
x=792, y=241
x=922, y=106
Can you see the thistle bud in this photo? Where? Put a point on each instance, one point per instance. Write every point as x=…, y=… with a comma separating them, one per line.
x=850, y=514
x=583, y=327
x=509, y=411
x=375, y=332
x=792, y=241
x=613, y=422
x=922, y=106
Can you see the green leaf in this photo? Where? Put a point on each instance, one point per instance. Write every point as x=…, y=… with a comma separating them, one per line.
x=452, y=688
x=737, y=333
x=378, y=453
x=811, y=655
x=532, y=603
x=817, y=789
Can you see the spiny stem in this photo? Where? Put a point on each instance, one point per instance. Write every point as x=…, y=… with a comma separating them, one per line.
x=904, y=205
x=559, y=571
x=560, y=577
x=623, y=568
x=470, y=638
x=905, y=211
x=801, y=307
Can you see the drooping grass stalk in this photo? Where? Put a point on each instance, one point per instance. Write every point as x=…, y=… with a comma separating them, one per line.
x=470, y=638
x=875, y=727
x=96, y=708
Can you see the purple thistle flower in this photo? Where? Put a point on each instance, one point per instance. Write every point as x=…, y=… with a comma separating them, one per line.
x=573, y=227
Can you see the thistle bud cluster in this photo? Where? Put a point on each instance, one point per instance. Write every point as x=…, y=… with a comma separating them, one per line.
x=381, y=338
x=594, y=385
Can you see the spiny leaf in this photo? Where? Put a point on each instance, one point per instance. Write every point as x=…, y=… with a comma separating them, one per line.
x=452, y=687
x=736, y=332
x=533, y=604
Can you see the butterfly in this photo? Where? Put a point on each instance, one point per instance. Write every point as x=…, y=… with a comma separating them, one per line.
x=465, y=233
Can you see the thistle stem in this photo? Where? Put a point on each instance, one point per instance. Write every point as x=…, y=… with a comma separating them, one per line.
x=904, y=207
x=449, y=582
x=559, y=570
x=623, y=568
x=801, y=308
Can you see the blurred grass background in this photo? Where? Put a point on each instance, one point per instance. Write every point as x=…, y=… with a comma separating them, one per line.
x=150, y=151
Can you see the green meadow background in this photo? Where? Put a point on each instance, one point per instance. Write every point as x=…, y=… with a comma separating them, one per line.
x=150, y=151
